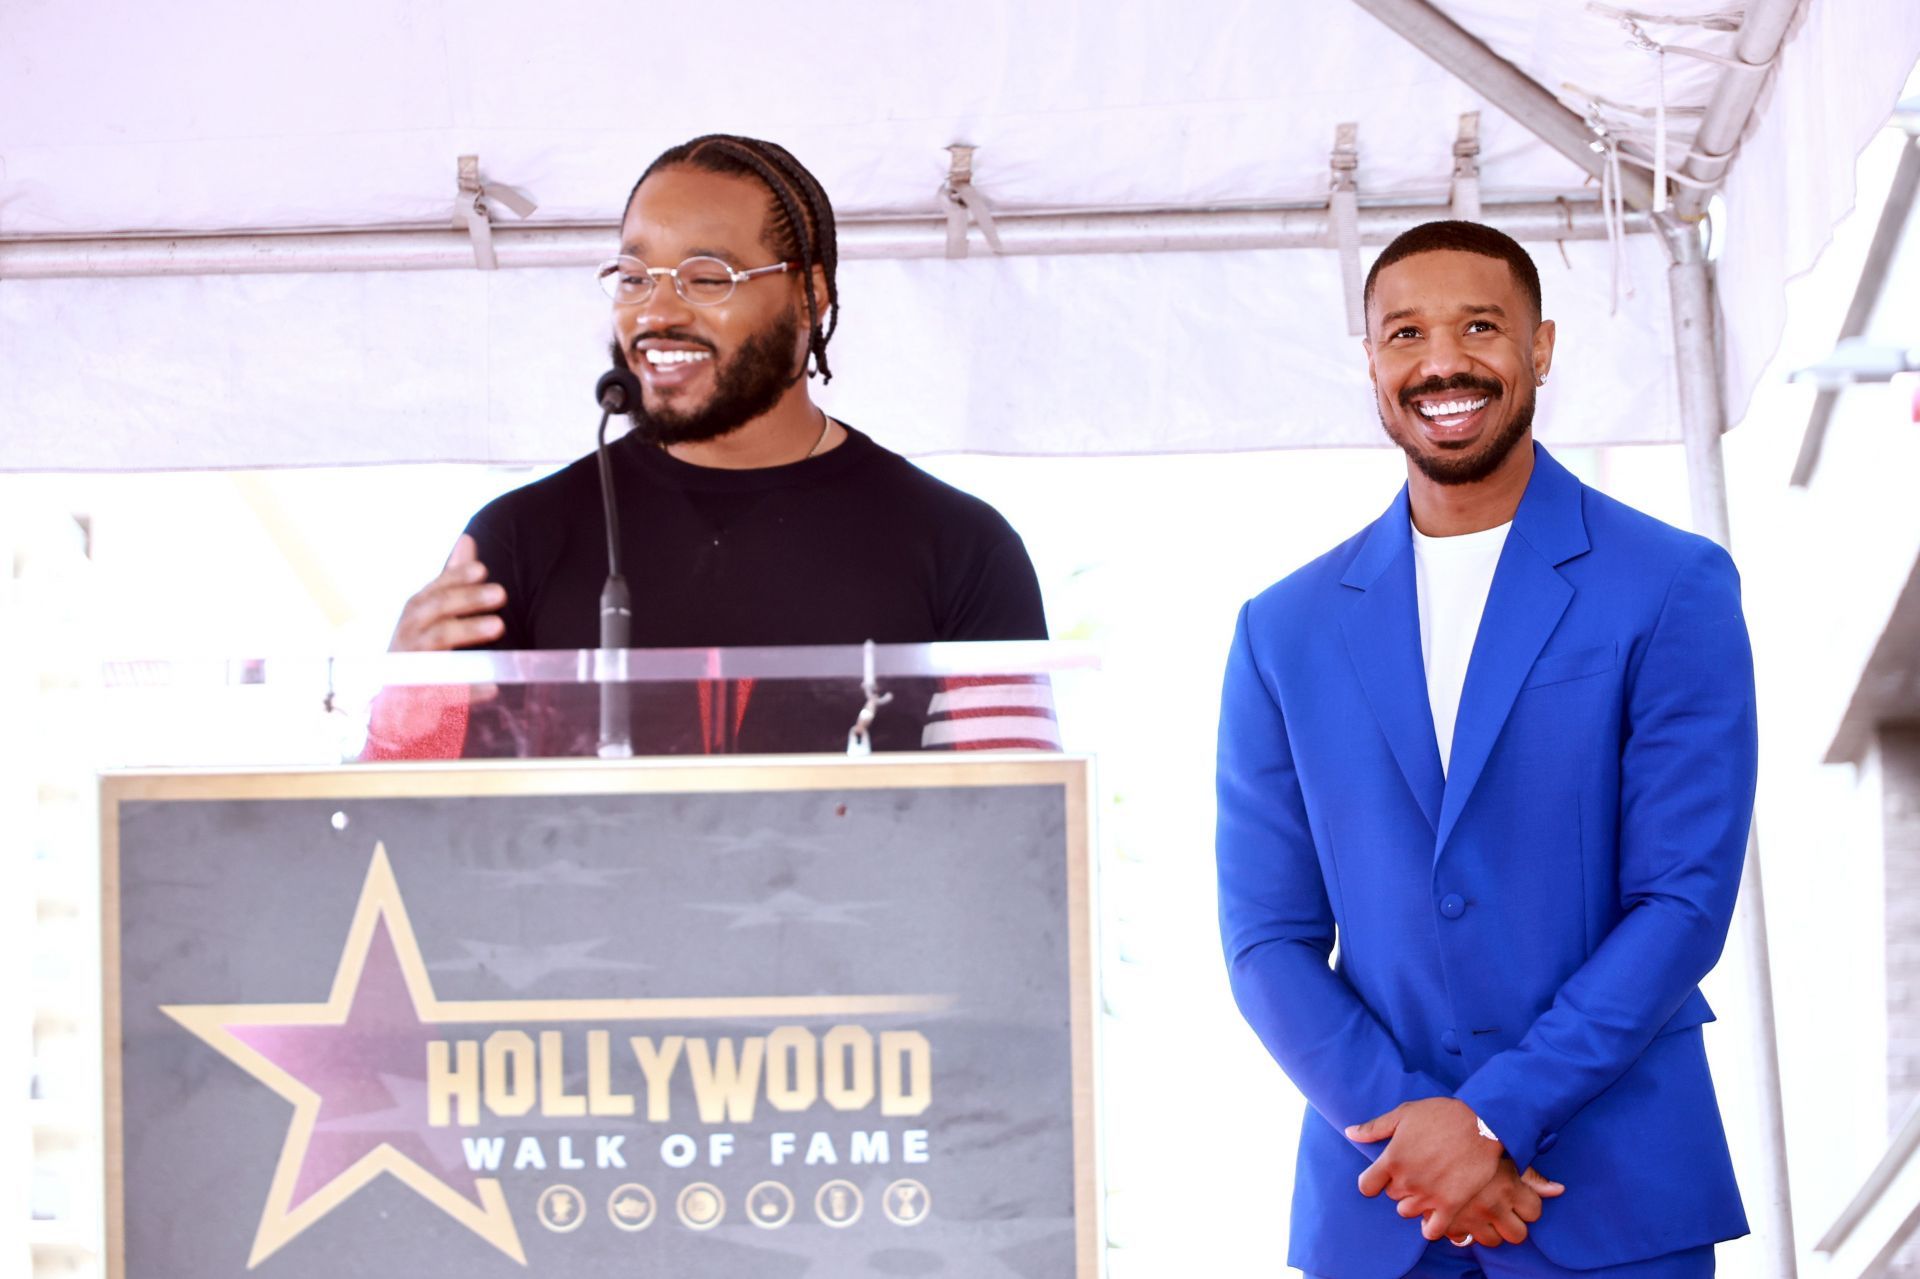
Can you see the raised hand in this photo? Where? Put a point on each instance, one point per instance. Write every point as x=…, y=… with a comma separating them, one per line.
x=1435, y=1162
x=455, y=610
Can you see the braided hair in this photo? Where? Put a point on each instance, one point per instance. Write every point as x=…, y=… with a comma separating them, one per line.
x=800, y=218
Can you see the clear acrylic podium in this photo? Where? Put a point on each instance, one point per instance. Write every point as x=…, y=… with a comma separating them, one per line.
x=550, y=704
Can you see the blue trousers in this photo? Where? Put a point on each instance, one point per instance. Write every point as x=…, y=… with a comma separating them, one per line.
x=1523, y=1261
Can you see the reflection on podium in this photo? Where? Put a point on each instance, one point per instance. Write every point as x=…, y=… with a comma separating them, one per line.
x=721, y=702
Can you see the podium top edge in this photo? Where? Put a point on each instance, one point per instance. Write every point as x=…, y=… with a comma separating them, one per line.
x=416, y=779
x=605, y=666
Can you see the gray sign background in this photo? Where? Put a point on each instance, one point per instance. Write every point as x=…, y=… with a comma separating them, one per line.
x=949, y=890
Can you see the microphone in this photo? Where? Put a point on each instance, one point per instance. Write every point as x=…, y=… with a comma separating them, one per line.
x=617, y=391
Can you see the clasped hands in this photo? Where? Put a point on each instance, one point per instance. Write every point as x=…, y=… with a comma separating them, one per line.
x=1439, y=1168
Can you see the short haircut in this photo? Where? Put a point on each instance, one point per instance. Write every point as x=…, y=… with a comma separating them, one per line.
x=1460, y=237
x=799, y=216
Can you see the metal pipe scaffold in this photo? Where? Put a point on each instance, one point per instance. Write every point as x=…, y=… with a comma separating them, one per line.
x=1096, y=231
x=1703, y=419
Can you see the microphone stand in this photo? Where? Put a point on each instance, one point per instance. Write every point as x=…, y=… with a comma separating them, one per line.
x=616, y=604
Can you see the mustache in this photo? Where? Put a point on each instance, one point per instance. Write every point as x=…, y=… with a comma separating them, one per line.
x=1440, y=385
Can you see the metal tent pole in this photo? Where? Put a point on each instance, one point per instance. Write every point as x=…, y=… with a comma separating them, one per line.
x=1702, y=421
x=1020, y=233
x=1763, y=28
x=1874, y=273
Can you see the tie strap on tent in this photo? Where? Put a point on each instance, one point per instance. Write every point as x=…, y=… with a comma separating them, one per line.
x=473, y=210
x=1622, y=120
x=1466, y=168
x=1612, y=199
x=1635, y=25
x=965, y=204
x=1343, y=221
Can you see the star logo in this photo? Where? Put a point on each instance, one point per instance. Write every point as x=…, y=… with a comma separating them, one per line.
x=354, y=1069
x=337, y=1062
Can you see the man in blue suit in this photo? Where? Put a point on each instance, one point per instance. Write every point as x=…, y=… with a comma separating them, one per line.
x=1500, y=748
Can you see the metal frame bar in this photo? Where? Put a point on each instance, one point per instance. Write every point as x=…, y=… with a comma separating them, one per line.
x=1703, y=417
x=1517, y=94
x=1097, y=231
x=1866, y=296
x=1762, y=31
x=1862, y=1241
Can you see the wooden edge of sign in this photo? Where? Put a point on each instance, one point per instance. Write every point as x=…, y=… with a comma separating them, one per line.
x=439, y=779
x=1083, y=971
x=112, y=1102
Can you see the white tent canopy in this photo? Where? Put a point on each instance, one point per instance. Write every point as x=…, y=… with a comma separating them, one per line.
x=129, y=131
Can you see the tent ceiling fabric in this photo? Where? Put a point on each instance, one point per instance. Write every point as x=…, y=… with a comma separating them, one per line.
x=213, y=116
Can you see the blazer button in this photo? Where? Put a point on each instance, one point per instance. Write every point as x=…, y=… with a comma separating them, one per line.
x=1450, y=1041
x=1453, y=905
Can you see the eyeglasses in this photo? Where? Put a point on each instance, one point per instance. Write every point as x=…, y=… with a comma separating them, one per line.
x=699, y=281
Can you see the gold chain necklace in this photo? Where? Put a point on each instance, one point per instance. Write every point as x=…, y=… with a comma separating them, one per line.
x=826, y=424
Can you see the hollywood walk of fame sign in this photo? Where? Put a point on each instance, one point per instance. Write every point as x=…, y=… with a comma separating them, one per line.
x=495, y=1019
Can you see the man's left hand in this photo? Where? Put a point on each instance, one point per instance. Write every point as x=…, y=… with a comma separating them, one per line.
x=1435, y=1162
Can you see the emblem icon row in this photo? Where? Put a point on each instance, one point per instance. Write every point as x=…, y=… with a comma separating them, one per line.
x=702, y=1205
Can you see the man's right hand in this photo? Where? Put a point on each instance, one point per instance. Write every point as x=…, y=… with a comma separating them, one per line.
x=457, y=609
x=1503, y=1210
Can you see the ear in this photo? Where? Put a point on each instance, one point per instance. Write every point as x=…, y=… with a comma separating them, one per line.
x=1366, y=344
x=803, y=348
x=820, y=290
x=1543, y=334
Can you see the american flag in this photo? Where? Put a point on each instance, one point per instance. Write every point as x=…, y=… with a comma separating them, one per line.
x=968, y=712
x=417, y=722
x=992, y=713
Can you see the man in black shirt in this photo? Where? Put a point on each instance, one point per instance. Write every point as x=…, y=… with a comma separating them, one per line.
x=747, y=515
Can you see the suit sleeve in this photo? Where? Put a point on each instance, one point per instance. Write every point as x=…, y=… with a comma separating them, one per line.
x=1687, y=769
x=1278, y=925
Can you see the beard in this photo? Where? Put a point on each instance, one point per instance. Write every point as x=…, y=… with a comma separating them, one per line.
x=746, y=385
x=1477, y=462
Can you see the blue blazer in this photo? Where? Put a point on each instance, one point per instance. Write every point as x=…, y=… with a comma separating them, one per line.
x=1528, y=932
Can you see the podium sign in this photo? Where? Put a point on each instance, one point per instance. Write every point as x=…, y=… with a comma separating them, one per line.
x=771, y=1017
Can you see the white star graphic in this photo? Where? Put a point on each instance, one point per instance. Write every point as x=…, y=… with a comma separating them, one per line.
x=763, y=839
x=565, y=873
x=787, y=906
x=520, y=967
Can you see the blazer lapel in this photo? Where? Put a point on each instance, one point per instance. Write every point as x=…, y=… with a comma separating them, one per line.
x=1525, y=604
x=1383, y=637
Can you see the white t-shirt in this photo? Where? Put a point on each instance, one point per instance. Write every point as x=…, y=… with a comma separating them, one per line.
x=1452, y=576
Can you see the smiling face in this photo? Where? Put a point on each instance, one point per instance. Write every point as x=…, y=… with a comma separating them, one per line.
x=1455, y=351
x=706, y=371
